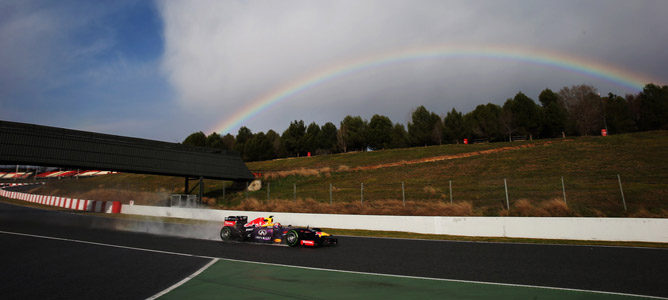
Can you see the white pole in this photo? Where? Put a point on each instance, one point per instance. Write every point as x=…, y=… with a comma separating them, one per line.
x=403, y=193
x=330, y=194
x=505, y=184
x=563, y=190
x=294, y=191
x=622, y=191
x=362, y=193
x=450, y=191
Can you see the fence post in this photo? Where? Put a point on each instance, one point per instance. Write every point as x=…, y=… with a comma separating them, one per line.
x=268, y=190
x=362, y=193
x=619, y=179
x=563, y=190
x=403, y=193
x=505, y=184
x=294, y=191
x=450, y=181
x=330, y=194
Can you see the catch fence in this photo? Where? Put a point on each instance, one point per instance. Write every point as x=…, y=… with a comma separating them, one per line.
x=582, y=194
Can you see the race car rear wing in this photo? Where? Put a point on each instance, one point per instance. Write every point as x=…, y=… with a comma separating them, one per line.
x=234, y=220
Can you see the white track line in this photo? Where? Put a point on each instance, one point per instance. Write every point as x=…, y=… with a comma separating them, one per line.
x=449, y=280
x=184, y=280
x=106, y=245
x=215, y=259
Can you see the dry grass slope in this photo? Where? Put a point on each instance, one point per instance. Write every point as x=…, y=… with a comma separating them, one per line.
x=533, y=171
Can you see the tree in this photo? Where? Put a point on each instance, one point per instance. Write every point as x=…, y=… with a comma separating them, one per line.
x=311, y=142
x=437, y=130
x=293, y=138
x=258, y=148
x=214, y=141
x=453, y=127
x=653, y=107
x=197, y=139
x=276, y=144
x=526, y=115
x=380, y=128
x=618, y=114
x=399, y=137
x=425, y=128
x=228, y=141
x=353, y=133
x=547, y=96
x=507, y=121
x=327, y=138
x=243, y=135
x=554, y=114
x=484, y=121
x=584, y=108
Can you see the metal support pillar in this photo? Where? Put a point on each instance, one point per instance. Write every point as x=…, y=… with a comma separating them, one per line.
x=200, y=184
x=201, y=188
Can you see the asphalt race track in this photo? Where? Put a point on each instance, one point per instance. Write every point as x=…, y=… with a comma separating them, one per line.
x=34, y=267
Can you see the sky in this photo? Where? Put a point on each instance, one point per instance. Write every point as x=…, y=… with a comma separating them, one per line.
x=164, y=69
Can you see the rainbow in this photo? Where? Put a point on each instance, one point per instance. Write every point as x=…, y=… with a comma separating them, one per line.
x=588, y=67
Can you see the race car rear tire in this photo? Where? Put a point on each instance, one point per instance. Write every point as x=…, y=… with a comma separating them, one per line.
x=292, y=238
x=226, y=233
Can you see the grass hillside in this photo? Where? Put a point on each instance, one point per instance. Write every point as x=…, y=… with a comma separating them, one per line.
x=532, y=170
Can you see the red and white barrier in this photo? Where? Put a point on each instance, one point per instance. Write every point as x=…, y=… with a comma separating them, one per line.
x=60, y=174
x=8, y=184
x=110, y=207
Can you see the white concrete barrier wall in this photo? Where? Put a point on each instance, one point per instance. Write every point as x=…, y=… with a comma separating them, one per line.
x=604, y=229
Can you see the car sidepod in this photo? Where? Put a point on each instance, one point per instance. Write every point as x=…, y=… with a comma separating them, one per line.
x=309, y=237
x=267, y=235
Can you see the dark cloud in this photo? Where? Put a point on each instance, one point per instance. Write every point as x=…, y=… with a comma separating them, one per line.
x=103, y=65
x=222, y=55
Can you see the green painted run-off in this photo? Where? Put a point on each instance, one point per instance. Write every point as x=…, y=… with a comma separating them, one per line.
x=243, y=280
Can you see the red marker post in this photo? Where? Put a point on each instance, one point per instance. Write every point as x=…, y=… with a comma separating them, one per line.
x=466, y=141
x=604, y=132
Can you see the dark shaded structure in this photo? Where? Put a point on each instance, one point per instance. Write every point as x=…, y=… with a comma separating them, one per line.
x=29, y=144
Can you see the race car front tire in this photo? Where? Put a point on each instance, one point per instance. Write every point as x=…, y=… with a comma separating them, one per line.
x=292, y=238
x=226, y=233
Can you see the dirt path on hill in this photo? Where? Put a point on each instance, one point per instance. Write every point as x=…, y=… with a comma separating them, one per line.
x=317, y=171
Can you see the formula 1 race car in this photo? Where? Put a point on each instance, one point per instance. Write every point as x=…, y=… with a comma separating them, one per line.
x=264, y=230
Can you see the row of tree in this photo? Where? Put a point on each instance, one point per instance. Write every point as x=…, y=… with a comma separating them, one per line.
x=576, y=110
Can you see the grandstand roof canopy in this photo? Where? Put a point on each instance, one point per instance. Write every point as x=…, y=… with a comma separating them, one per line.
x=30, y=144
